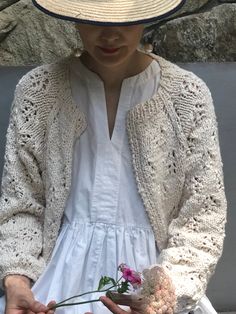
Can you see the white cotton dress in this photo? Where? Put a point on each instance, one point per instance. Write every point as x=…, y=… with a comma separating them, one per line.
x=105, y=222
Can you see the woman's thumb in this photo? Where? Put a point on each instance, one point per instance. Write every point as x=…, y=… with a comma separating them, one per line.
x=37, y=307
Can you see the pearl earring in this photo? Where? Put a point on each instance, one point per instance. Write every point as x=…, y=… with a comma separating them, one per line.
x=145, y=47
x=77, y=52
x=148, y=48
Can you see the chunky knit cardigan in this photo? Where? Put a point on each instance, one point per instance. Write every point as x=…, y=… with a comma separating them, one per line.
x=176, y=159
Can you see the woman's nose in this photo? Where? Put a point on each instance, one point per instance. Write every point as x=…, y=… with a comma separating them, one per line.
x=110, y=34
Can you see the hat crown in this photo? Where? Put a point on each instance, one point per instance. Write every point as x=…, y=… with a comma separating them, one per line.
x=109, y=12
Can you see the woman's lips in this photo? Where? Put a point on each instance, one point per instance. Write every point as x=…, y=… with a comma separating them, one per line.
x=109, y=50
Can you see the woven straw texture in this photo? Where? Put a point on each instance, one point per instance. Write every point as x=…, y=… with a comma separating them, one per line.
x=108, y=11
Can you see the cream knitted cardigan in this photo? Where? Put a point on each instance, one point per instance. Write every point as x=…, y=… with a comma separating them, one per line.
x=176, y=159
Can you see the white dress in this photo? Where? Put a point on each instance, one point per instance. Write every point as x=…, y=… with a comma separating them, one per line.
x=105, y=222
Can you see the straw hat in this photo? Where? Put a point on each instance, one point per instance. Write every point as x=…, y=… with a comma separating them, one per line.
x=109, y=12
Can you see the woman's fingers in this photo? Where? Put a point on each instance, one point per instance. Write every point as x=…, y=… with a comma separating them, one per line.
x=50, y=304
x=36, y=307
x=132, y=300
x=113, y=307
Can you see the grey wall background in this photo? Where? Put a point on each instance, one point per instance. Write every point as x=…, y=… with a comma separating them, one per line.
x=221, y=79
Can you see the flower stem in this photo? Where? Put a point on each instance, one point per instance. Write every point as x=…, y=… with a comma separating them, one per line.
x=80, y=295
x=55, y=306
x=60, y=304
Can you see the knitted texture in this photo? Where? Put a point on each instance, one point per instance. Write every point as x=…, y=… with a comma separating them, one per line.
x=175, y=152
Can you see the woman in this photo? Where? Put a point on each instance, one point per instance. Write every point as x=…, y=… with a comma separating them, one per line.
x=72, y=208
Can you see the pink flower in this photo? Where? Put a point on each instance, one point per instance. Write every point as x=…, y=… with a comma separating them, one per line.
x=130, y=275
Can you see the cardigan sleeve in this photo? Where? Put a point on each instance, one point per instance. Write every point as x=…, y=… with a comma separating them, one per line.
x=196, y=235
x=22, y=199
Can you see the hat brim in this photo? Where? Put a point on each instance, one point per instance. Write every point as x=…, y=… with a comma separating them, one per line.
x=109, y=12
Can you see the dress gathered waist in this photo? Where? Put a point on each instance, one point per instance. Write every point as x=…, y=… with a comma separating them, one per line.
x=77, y=224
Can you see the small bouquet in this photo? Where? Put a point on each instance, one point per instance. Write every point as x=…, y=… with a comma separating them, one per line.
x=154, y=292
x=129, y=279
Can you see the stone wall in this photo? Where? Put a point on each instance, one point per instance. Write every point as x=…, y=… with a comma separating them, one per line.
x=203, y=30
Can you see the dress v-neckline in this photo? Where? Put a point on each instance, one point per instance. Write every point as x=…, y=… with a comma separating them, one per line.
x=125, y=98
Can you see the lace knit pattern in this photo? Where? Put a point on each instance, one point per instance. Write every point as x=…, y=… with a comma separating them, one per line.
x=175, y=152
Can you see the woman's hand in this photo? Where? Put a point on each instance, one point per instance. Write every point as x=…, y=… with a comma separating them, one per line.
x=19, y=297
x=136, y=303
x=157, y=295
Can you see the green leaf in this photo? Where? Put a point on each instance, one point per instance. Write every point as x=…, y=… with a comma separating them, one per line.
x=101, y=283
x=104, y=281
x=124, y=287
x=113, y=281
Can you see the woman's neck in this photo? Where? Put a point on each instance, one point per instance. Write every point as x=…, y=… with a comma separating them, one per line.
x=112, y=76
